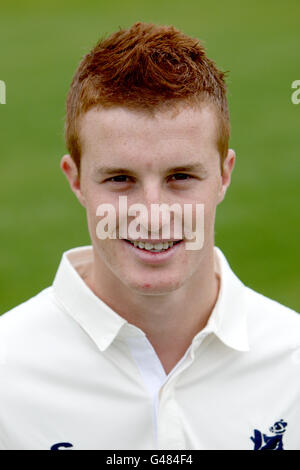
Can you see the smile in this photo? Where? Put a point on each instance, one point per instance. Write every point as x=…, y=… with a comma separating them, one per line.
x=154, y=247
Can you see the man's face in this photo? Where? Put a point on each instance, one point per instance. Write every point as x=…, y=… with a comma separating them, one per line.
x=149, y=148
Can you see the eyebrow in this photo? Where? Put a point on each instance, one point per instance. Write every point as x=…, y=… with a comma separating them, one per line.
x=110, y=170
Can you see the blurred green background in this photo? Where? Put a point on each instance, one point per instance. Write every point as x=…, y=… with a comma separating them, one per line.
x=41, y=44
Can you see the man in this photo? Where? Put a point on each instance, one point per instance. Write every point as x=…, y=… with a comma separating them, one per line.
x=142, y=343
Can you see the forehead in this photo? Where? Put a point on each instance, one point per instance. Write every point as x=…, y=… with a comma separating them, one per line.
x=120, y=133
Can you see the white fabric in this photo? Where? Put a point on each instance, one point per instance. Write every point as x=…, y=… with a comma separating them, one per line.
x=74, y=371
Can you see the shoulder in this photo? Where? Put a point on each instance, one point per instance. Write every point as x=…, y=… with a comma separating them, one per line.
x=36, y=317
x=271, y=320
x=29, y=310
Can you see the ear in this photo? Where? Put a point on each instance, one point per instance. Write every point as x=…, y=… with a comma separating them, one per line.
x=228, y=166
x=70, y=170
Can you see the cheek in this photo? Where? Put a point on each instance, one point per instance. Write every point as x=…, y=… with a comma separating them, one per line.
x=203, y=211
x=108, y=213
x=107, y=248
x=110, y=252
x=92, y=221
x=210, y=199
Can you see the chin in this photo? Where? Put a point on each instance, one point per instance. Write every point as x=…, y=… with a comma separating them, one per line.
x=154, y=287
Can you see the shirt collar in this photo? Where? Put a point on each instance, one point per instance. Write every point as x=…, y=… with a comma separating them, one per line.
x=228, y=319
x=103, y=324
x=99, y=321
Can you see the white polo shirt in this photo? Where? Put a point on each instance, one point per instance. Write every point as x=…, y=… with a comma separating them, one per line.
x=76, y=375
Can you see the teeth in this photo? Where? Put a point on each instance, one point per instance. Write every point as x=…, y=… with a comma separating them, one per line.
x=148, y=246
x=152, y=246
x=156, y=246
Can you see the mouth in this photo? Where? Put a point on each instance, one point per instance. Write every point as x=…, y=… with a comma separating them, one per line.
x=158, y=247
x=154, y=254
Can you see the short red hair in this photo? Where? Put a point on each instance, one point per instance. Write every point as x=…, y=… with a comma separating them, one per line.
x=145, y=67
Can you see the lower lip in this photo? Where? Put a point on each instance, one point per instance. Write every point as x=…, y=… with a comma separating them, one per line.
x=154, y=258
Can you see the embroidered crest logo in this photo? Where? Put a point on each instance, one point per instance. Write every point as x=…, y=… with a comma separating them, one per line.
x=264, y=442
x=61, y=445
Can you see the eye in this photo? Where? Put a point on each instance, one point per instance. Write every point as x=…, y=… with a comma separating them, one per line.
x=181, y=176
x=119, y=179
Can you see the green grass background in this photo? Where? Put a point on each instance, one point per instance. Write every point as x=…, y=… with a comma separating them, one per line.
x=41, y=44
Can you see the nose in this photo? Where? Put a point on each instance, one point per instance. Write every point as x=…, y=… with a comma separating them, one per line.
x=151, y=192
x=150, y=195
x=156, y=218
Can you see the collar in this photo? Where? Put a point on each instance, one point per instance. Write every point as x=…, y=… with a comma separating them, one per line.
x=103, y=324
x=228, y=319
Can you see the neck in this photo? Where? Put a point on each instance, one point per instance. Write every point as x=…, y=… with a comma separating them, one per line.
x=170, y=321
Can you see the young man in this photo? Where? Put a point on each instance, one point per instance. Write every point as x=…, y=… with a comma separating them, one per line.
x=153, y=346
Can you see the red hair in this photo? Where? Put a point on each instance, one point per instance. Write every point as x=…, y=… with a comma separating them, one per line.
x=146, y=67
